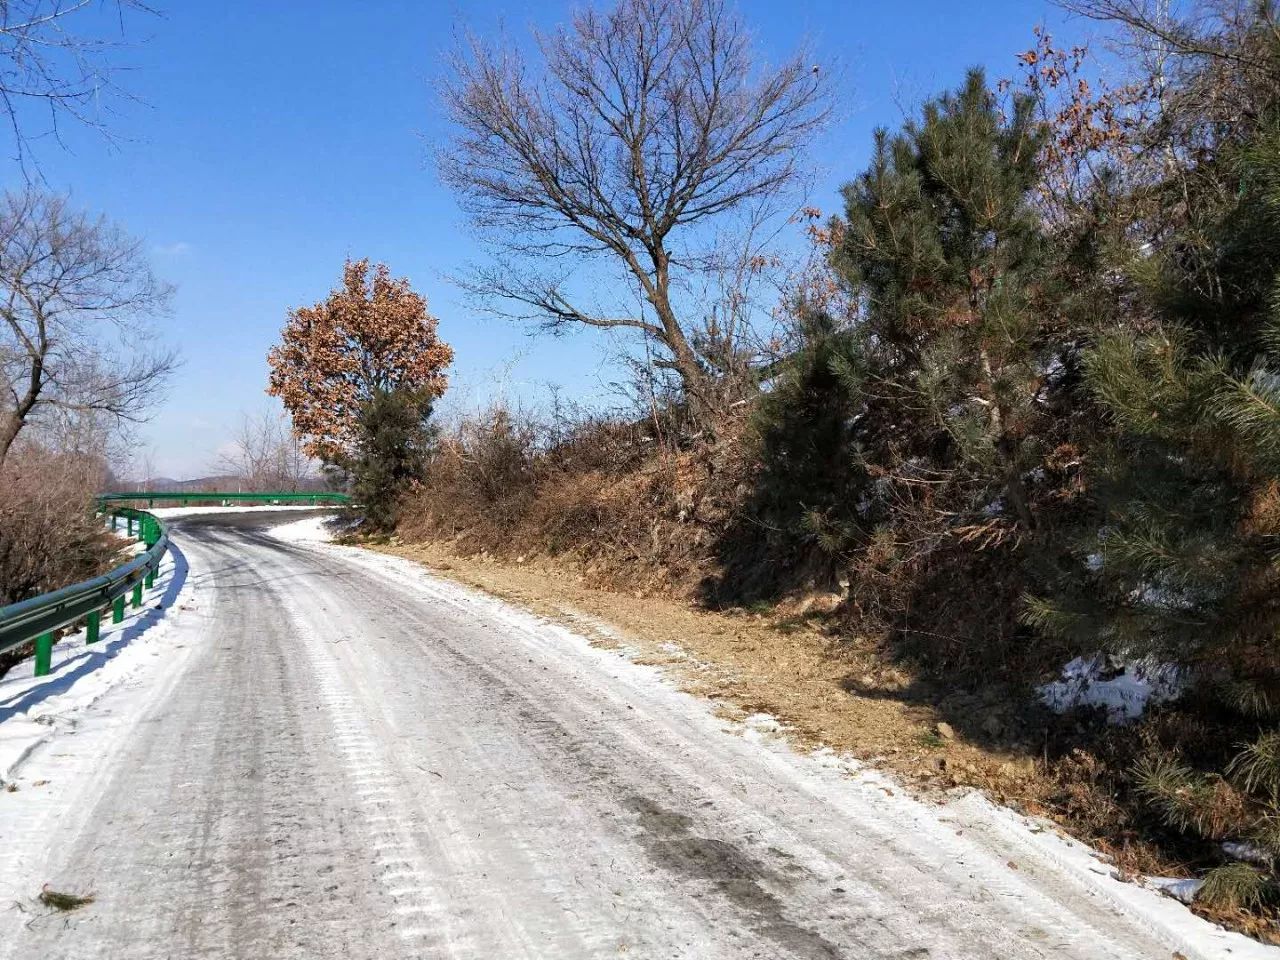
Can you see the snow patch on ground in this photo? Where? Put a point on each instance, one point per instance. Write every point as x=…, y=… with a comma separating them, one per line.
x=1182, y=890
x=1123, y=690
x=762, y=725
x=34, y=710
x=318, y=529
x=165, y=513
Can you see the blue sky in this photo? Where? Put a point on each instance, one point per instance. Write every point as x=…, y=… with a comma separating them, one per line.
x=274, y=140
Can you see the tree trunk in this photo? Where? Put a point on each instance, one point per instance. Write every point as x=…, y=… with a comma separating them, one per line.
x=17, y=419
x=1016, y=491
x=8, y=433
x=693, y=378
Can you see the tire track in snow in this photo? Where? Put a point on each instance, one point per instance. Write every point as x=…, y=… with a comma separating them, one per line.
x=419, y=904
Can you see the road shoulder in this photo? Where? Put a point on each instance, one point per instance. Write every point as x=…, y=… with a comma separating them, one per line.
x=789, y=681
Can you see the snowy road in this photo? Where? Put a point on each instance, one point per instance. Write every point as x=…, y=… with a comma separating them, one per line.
x=340, y=756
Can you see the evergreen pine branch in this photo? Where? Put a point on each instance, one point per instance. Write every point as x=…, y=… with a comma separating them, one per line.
x=1250, y=406
x=1237, y=886
x=1257, y=766
x=1248, y=697
x=1188, y=801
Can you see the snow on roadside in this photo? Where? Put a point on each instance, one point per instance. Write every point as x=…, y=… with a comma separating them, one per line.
x=33, y=710
x=308, y=529
x=1122, y=689
x=1157, y=905
x=165, y=513
x=1179, y=888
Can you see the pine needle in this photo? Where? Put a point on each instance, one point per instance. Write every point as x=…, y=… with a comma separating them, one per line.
x=63, y=901
x=1236, y=886
x=1257, y=766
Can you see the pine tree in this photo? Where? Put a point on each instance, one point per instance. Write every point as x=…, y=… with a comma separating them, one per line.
x=1181, y=560
x=394, y=440
x=813, y=492
x=942, y=243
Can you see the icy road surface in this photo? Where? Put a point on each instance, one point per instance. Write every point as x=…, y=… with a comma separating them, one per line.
x=332, y=754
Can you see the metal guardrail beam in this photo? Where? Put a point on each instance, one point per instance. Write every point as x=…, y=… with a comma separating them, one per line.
x=38, y=617
x=313, y=497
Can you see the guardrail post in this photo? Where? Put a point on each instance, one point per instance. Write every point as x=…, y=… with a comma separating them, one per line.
x=129, y=529
x=137, y=595
x=92, y=626
x=151, y=578
x=117, y=609
x=114, y=523
x=44, y=654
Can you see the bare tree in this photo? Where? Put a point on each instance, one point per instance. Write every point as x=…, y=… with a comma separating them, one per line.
x=145, y=468
x=56, y=65
x=49, y=536
x=75, y=297
x=266, y=455
x=1203, y=81
x=1205, y=64
x=649, y=122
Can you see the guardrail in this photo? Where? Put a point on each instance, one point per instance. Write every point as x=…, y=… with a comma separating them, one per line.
x=38, y=617
x=186, y=497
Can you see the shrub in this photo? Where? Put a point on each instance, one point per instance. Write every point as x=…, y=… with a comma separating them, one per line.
x=49, y=536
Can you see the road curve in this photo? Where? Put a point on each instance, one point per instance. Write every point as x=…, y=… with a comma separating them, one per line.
x=356, y=760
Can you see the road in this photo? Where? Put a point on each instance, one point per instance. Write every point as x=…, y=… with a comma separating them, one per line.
x=353, y=759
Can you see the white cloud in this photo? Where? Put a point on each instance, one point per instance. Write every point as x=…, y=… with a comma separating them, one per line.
x=179, y=249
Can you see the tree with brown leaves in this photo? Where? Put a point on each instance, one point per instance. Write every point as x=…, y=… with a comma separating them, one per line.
x=370, y=337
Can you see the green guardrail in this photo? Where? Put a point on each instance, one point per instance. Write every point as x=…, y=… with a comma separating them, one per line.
x=38, y=617
x=186, y=497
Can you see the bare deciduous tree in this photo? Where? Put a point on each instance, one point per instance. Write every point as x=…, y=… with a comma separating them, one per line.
x=1205, y=65
x=266, y=455
x=76, y=295
x=1203, y=80
x=650, y=121
x=55, y=64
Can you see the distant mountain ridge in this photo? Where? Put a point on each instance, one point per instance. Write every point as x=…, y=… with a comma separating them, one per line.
x=226, y=483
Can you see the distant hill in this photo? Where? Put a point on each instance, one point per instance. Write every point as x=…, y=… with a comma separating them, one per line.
x=228, y=483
